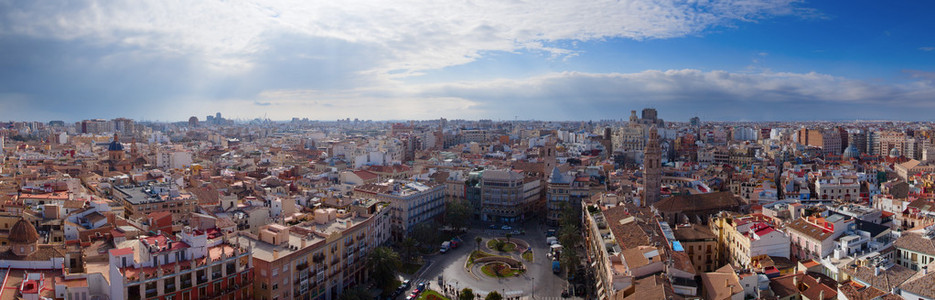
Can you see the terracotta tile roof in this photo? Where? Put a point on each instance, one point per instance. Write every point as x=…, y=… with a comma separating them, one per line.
x=648, y=288
x=916, y=242
x=856, y=291
x=694, y=232
x=721, y=284
x=699, y=202
x=808, y=229
x=625, y=228
x=365, y=175
x=923, y=286
x=808, y=286
x=886, y=281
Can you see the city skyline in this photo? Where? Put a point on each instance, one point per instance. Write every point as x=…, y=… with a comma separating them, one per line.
x=720, y=61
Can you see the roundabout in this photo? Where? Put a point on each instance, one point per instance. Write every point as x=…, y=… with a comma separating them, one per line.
x=513, y=271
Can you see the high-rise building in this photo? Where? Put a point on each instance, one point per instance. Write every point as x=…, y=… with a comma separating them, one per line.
x=858, y=138
x=124, y=126
x=829, y=140
x=649, y=114
x=695, y=121
x=652, y=169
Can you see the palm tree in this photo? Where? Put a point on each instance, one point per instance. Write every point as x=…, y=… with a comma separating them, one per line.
x=478, y=240
x=384, y=263
x=508, y=236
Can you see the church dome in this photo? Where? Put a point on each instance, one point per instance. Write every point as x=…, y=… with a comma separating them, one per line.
x=23, y=232
x=894, y=152
x=115, y=145
x=851, y=153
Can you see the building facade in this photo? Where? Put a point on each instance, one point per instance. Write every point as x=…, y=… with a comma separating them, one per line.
x=192, y=265
x=317, y=259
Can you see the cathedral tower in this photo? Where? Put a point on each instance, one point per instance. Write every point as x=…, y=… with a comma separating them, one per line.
x=652, y=169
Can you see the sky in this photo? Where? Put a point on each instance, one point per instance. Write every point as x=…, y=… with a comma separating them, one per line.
x=731, y=60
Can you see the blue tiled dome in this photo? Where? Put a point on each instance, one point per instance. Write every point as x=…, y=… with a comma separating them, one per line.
x=115, y=145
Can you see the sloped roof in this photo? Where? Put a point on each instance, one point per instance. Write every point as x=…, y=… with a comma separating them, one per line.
x=699, y=202
x=808, y=229
x=916, y=242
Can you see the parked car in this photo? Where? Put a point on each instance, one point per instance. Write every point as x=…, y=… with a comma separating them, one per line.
x=506, y=227
x=517, y=232
x=445, y=247
x=406, y=284
x=492, y=226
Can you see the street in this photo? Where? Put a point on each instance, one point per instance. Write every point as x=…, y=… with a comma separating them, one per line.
x=538, y=282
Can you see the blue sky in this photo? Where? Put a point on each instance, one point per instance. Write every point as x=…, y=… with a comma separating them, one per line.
x=552, y=60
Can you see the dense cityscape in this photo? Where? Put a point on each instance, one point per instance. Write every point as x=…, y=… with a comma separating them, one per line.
x=467, y=150
x=642, y=208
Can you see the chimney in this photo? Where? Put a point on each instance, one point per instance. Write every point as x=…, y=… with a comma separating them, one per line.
x=876, y=271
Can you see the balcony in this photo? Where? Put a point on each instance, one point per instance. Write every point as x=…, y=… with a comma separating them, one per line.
x=301, y=266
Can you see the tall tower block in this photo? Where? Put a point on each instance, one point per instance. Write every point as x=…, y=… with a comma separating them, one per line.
x=652, y=169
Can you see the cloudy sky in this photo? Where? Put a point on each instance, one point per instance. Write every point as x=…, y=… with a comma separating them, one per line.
x=498, y=59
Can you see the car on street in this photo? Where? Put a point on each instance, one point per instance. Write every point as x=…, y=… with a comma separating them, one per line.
x=492, y=226
x=506, y=227
x=517, y=232
x=405, y=284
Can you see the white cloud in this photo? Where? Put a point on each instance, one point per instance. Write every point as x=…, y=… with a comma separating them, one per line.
x=415, y=34
x=573, y=95
x=683, y=84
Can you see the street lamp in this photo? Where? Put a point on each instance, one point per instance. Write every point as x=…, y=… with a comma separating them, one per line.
x=533, y=288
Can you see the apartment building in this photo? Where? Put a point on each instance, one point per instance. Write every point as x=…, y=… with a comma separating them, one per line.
x=507, y=196
x=916, y=248
x=740, y=239
x=846, y=188
x=193, y=265
x=813, y=237
x=140, y=200
x=563, y=189
x=700, y=244
x=410, y=202
x=320, y=258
